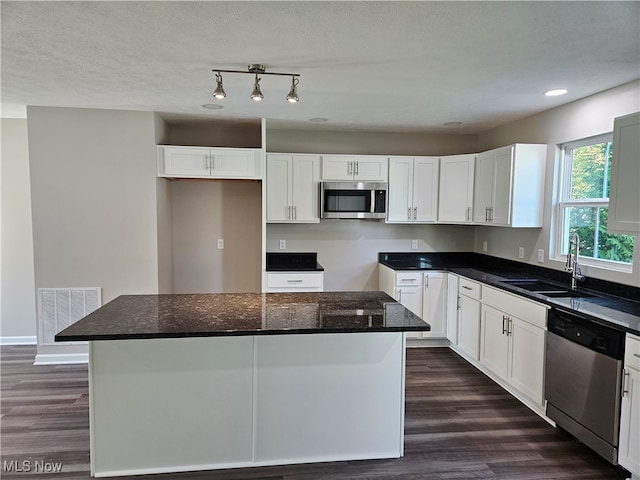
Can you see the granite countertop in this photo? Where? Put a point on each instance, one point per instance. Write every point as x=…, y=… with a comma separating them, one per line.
x=609, y=304
x=293, y=262
x=233, y=314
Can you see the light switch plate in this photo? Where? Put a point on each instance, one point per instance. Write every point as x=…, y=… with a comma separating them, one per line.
x=484, y=246
x=541, y=255
x=414, y=244
x=283, y=244
x=521, y=252
x=220, y=243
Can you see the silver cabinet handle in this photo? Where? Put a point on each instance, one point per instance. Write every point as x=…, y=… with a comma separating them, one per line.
x=407, y=279
x=294, y=281
x=350, y=168
x=295, y=213
x=212, y=162
x=458, y=303
x=205, y=164
x=399, y=295
x=466, y=288
x=625, y=390
x=357, y=168
x=289, y=214
x=490, y=214
x=504, y=324
x=415, y=213
x=486, y=214
x=509, y=326
x=467, y=214
x=409, y=213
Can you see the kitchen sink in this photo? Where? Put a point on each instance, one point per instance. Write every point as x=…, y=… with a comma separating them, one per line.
x=544, y=288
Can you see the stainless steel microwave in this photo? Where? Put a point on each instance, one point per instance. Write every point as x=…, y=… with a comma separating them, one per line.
x=353, y=200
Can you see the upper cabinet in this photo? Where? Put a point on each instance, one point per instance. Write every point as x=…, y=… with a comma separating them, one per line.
x=624, y=196
x=509, y=186
x=199, y=162
x=456, y=189
x=292, y=188
x=355, y=167
x=413, y=189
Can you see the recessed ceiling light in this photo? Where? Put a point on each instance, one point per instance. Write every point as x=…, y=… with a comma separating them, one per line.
x=318, y=119
x=452, y=124
x=555, y=93
x=212, y=106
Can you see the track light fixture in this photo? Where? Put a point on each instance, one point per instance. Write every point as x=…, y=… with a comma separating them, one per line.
x=257, y=70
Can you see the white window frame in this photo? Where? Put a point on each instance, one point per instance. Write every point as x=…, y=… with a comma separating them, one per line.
x=563, y=202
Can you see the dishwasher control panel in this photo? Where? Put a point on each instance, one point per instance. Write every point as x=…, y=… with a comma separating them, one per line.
x=580, y=330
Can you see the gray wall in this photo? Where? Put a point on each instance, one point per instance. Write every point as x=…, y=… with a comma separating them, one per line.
x=17, y=300
x=93, y=192
x=581, y=119
x=215, y=134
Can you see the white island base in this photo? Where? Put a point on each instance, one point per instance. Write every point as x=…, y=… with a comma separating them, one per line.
x=200, y=403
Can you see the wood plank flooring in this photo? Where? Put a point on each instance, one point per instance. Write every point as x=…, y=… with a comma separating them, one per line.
x=459, y=425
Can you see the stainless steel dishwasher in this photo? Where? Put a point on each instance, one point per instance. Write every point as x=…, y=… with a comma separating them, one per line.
x=583, y=374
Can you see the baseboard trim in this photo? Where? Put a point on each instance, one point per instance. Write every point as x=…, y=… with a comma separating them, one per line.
x=23, y=340
x=61, y=358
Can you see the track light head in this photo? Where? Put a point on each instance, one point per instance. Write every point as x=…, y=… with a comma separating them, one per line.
x=293, y=93
x=256, y=95
x=219, y=92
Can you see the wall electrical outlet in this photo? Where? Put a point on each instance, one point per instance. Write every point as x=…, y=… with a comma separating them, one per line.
x=283, y=244
x=521, y=252
x=541, y=255
x=414, y=244
x=220, y=243
x=484, y=246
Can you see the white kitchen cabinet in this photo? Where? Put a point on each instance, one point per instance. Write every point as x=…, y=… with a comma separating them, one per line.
x=629, y=445
x=469, y=318
x=413, y=189
x=456, y=189
x=363, y=168
x=509, y=186
x=292, y=188
x=434, y=304
x=295, y=281
x=405, y=287
x=451, y=309
x=624, y=195
x=199, y=162
x=512, y=341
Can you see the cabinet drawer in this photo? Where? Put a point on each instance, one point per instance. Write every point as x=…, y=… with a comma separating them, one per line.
x=632, y=353
x=408, y=279
x=533, y=312
x=295, y=280
x=469, y=288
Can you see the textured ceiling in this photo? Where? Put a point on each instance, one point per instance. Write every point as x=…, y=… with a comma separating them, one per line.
x=364, y=65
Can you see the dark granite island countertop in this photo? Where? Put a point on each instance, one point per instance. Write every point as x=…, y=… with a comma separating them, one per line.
x=237, y=314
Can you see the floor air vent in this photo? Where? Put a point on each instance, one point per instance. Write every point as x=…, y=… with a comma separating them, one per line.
x=60, y=307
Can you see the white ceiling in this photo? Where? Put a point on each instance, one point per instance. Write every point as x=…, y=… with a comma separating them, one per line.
x=401, y=66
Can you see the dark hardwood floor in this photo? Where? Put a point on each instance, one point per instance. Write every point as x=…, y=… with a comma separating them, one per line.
x=459, y=425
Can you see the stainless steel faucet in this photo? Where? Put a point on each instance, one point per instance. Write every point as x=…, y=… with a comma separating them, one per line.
x=572, y=261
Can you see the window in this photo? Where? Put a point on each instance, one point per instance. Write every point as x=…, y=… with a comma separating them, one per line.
x=583, y=205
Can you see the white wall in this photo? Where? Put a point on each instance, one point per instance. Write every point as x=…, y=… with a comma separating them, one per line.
x=581, y=119
x=17, y=301
x=93, y=192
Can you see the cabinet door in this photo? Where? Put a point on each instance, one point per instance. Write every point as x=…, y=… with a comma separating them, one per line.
x=278, y=185
x=629, y=451
x=469, y=326
x=526, y=359
x=494, y=342
x=410, y=297
x=425, y=189
x=337, y=167
x=234, y=163
x=624, y=198
x=371, y=169
x=501, y=194
x=452, y=308
x=186, y=162
x=433, y=304
x=400, y=189
x=483, y=197
x=456, y=188
x=304, y=188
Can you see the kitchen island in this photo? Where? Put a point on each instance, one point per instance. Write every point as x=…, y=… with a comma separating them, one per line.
x=209, y=381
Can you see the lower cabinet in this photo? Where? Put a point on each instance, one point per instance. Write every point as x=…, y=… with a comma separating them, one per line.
x=469, y=318
x=512, y=342
x=295, y=281
x=451, y=310
x=629, y=446
x=434, y=304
